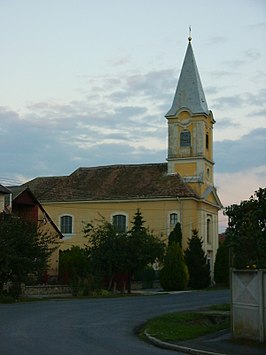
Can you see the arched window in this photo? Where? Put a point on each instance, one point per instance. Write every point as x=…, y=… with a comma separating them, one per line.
x=173, y=219
x=120, y=222
x=185, y=139
x=66, y=224
x=209, y=234
x=207, y=141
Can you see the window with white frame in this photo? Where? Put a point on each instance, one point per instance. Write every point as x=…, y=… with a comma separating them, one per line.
x=173, y=219
x=66, y=224
x=120, y=222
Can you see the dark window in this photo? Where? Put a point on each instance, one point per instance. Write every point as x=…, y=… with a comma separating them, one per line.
x=207, y=141
x=209, y=236
x=185, y=139
x=119, y=222
x=66, y=224
x=173, y=219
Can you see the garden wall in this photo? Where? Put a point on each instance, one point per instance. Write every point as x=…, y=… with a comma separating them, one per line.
x=248, y=292
x=47, y=290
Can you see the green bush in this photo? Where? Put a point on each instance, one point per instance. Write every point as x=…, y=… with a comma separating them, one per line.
x=174, y=274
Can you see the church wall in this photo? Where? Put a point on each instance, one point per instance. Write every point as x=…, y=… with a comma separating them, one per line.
x=155, y=213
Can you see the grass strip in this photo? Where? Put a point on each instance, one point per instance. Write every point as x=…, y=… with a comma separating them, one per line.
x=183, y=326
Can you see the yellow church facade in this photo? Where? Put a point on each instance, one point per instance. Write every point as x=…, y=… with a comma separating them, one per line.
x=179, y=190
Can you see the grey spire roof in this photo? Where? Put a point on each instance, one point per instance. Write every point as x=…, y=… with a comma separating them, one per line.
x=189, y=93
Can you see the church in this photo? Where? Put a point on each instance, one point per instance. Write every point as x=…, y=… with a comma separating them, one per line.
x=179, y=190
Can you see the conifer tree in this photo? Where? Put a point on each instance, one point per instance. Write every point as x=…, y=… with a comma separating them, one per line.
x=221, y=266
x=196, y=260
x=174, y=274
x=143, y=247
x=176, y=235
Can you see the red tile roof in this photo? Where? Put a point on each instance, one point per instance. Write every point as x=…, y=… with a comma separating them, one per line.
x=114, y=182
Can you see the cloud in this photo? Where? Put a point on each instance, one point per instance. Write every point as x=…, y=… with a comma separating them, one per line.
x=219, y=74
x=235, y=187
x=234, y=64
x=235, y=101
x=247, y=99
x=226, y=123
x=211, y=90
x=120, y=61
x=52, y=137
x=216, y=40
x=248, y=152
x=119, y=120
x=251, y=55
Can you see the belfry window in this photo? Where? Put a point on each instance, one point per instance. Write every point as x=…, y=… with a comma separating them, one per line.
x=209, y=231
x=185, y=139
x=207, y=141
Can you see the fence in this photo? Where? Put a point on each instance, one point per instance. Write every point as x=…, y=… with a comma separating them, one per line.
x=248, y=296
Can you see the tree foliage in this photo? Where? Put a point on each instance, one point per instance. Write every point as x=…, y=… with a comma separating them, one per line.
x=176, y=235
x=196, y=260
x=112, y=252
x=174, y=274
x=143, y=247
x=221, y=266
x=73, y=264
x=75, y=269
x=106, y=249
x=24, y=250
x=247, y=231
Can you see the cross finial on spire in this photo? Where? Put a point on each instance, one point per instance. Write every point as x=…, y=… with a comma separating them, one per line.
x=189, y=37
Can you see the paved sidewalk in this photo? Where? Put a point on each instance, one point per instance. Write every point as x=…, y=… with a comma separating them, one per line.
x=213, y=344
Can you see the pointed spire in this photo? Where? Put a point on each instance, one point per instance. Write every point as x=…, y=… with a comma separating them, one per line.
x=189, y=93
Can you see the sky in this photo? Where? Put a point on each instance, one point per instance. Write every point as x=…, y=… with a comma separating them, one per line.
x=87, y=83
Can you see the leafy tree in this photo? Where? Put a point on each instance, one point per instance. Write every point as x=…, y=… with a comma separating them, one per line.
x=221, y=266
x=75, y=268
x=106, y=249
x=24, y=250
x=176, y=235
x=247, y=231
x=174, y=274
x=143, y=247
x=73, y=264
x=196, y=260
x=112, y=252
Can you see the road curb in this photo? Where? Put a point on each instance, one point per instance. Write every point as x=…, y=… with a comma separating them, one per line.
x=170, y=346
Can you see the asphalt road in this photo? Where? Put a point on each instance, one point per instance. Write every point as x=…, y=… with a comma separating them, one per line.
x=91, y=326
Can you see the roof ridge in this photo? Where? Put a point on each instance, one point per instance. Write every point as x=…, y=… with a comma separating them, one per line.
x=115, y=165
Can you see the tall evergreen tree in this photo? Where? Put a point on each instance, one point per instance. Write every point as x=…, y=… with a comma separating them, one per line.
x=196, y=260
x=176, y=235
x=174, y=274
x=143, y=247
x=221, y=266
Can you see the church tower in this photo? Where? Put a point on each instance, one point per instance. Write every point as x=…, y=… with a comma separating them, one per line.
x=190, y=131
